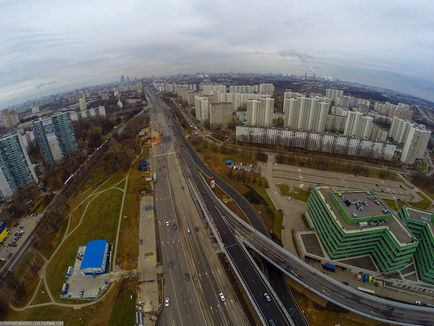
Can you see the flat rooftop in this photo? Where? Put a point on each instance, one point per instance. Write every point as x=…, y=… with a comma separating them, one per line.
x=363, y=204
x=422, y=216
x=372, y=212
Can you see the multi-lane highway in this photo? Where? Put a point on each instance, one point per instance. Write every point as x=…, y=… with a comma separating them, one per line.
x=193, y=274
x=269, y=306
x=328, y=288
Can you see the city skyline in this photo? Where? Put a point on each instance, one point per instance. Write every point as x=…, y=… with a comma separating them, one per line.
x=50, y=47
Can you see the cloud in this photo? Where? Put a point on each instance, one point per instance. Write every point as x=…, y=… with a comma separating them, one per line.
x=82, y=42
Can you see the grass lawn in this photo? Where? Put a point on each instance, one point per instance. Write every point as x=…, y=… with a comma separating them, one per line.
x=394, y=204
x=47, y=246
x=26, y=275
x=124, y=308
x=276, y=216
x=94, y=315
x=99, y=222
x=41, y=295
x=128, y=249
x=296, y=192
x=424, y=203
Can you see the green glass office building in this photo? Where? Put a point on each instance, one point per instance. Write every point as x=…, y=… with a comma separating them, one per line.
x=421, y=225
x=353, y=222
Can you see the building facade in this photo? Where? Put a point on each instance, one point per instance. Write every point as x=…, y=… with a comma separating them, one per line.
x=325, y=143
x=373, y=230
x=16, y=170
x=415, y=144
x=56, y=137
x=220, y=115
x=420, y=223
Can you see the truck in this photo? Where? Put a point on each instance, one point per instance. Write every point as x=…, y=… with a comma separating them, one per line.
x=330, y=267
x=154, y=177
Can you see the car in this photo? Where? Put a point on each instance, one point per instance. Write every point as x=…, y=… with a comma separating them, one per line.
x=222, y=297
x=267, y=297
x=167, y=223
x=187, y=276
x=175, y=226
x=166, y=302
x=188, y=230
x=141, y=241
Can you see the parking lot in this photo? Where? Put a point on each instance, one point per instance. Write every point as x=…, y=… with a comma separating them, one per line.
x=305, y=177
x=18, y=235
x=84, y=287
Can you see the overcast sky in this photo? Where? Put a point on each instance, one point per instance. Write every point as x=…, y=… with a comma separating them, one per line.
x=52, y=45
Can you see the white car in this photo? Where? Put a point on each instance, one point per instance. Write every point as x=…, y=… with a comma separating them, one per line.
x=222, y=297
x=267, y=297
x=167, y=223
x=166, y=302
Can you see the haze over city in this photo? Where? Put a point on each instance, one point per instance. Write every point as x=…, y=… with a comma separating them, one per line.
x=48, y=46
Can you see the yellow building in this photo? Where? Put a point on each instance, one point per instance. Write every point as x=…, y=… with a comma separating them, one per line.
x=3, y=231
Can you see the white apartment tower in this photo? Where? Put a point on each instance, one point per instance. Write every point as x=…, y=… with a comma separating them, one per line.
x=415, y=144
x=399, y=130
x=334, y=94
x=220, y=115
x=252, y=112
x=304, y=113
x=352, y=122
x=201, y=108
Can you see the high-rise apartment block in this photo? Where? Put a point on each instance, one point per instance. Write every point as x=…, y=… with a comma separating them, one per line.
x=304, y=113
x=82, y=101
x=334, y=94
x=357, y=125
x=201, y=108
x=260, y=112
x=55, y=137
x=16, y=170
x=210, y=89
x=399, y=130
x=415, y=144
x=402, y=110
x=220, y=115
x=10, y=118
x=266, y=89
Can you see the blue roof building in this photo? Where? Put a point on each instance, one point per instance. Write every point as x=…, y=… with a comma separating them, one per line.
x=95, y=257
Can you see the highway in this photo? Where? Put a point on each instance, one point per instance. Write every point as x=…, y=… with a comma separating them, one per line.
x=323, y=285
x=328, y=288
x=245, y=268
x=193, y=274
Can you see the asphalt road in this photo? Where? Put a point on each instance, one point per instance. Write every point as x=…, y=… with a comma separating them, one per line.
x=371, y=306
x=194, y=276
x=248, y=272
x=368, y=305
x=184, y=307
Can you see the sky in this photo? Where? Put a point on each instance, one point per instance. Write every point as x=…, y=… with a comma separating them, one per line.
x=48, y=46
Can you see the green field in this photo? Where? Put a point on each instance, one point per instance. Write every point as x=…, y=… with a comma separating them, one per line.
x=296, y=192
x=99, y=222
x=277, y=216
x=424, y=203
